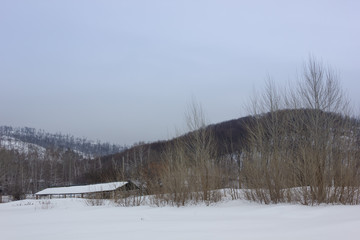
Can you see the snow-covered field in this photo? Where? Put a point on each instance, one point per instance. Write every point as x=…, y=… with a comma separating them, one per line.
x=75, y=219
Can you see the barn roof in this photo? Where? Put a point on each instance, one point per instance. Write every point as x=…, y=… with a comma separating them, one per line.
x=102, y=187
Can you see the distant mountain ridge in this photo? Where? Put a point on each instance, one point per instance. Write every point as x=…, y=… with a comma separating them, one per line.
x=20, y=138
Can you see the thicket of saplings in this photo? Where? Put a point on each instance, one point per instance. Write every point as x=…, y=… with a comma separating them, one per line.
x=302, y=147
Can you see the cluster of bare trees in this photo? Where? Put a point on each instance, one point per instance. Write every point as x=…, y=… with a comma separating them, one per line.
x=303, y=145
x=185, y=171
x=189, y=168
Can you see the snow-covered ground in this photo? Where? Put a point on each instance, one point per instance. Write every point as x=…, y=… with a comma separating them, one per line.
x=75, y=219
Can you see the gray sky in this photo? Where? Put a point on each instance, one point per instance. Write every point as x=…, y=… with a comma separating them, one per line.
x=124, y=71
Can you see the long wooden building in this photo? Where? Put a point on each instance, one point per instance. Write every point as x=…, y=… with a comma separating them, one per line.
x=104, y=190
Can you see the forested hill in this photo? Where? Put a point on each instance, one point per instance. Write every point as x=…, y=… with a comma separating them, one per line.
x=230, y=139
x=57, y=141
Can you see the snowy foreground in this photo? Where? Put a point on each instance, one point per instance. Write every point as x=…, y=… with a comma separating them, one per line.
x=75, y=219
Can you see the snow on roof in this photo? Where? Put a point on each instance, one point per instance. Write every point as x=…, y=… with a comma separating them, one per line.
x=102, y=187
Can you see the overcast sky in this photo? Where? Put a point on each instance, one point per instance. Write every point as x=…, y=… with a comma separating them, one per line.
x=124, y=71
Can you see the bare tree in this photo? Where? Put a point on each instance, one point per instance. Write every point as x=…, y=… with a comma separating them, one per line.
x=190, y=171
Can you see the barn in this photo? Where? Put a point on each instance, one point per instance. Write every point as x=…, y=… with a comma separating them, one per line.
x=104, y=190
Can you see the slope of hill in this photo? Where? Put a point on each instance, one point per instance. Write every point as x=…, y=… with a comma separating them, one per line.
x=230, y=137
x=25, y=136
x=10, y=143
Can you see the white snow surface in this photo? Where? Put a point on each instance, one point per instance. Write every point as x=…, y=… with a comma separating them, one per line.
x=83, y=189
x=60, y=219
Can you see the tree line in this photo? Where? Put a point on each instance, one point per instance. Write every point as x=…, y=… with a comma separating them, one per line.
x=22, y=174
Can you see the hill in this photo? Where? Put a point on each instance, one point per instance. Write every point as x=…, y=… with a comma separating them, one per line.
x=26, y=135
x=230, y=137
